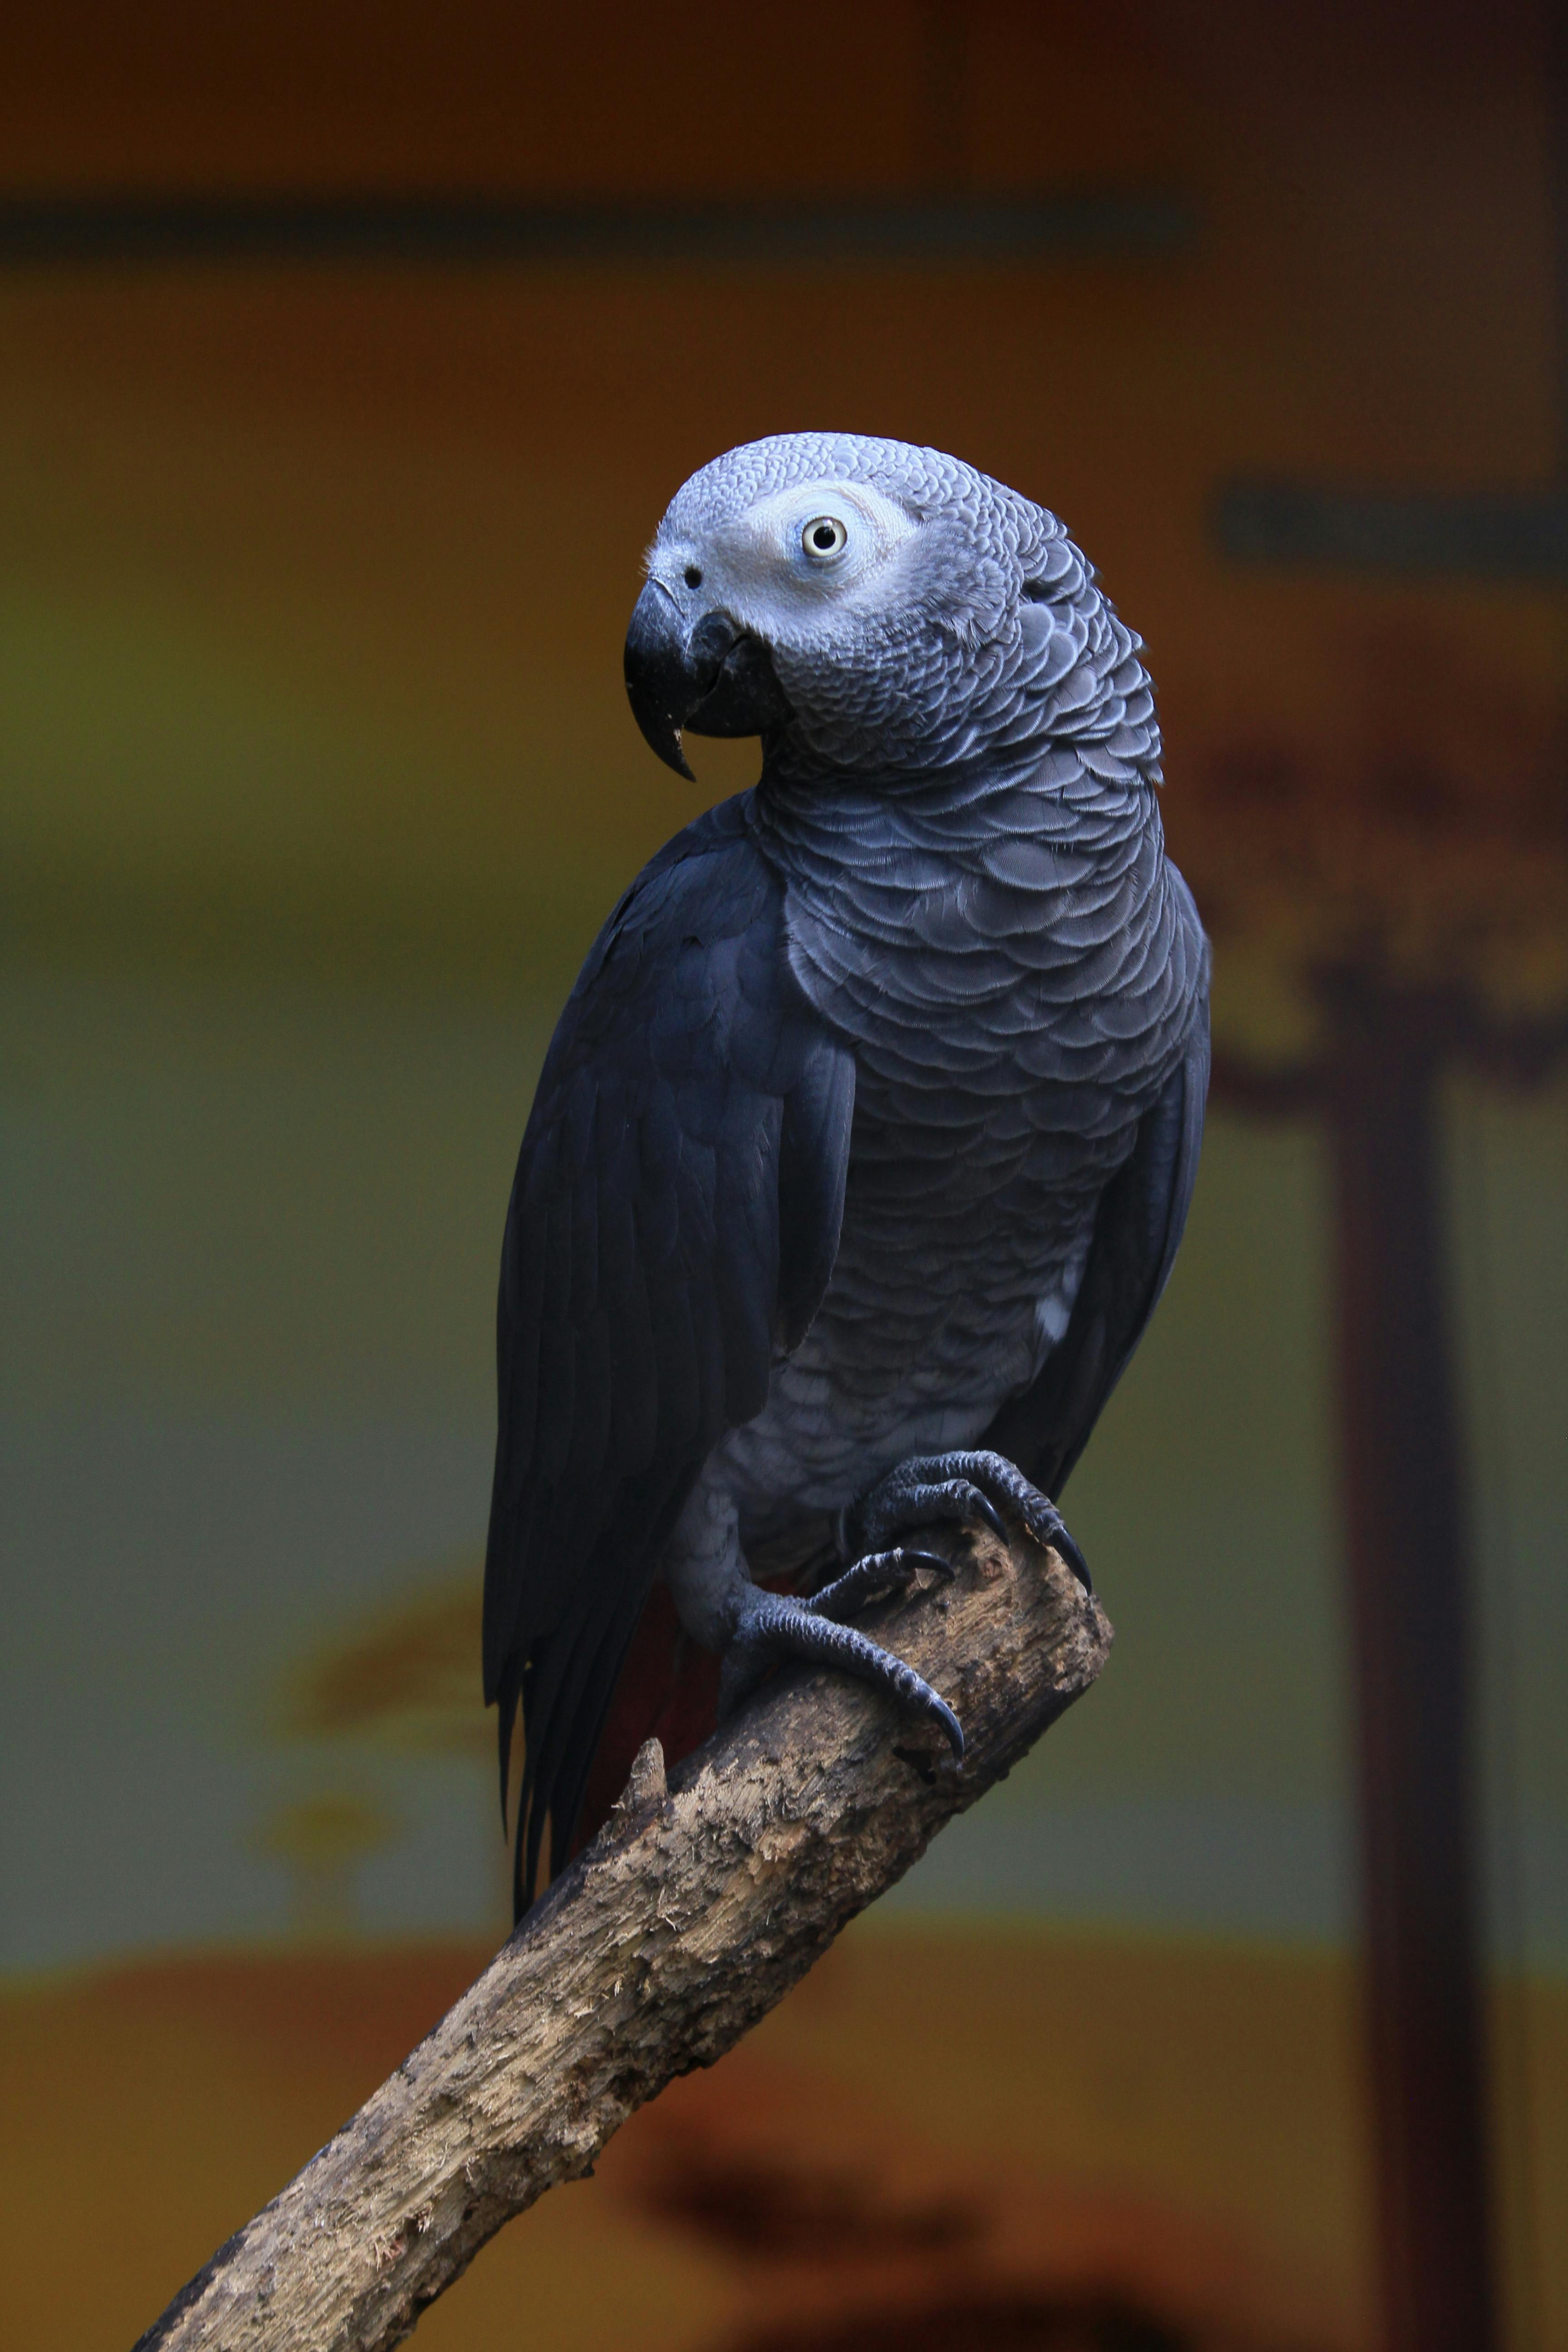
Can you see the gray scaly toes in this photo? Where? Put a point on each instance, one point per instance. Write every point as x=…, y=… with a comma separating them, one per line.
x=961, y=1488
x=776, y=1626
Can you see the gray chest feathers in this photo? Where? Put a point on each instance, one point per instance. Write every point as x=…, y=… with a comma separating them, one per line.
x=1013, y=972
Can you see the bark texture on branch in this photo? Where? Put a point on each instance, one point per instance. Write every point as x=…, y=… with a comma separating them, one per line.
x=694, y=1911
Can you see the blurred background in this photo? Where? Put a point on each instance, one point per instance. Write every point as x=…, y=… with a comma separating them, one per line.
x=348, y=356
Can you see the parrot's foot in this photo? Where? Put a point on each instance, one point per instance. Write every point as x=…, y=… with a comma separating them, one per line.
x=958, y=1487
x=774, y=1626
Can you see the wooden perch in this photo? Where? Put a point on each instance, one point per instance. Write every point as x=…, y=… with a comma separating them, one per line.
x=696, y=1908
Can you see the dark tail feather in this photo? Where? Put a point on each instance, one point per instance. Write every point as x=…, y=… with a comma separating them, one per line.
x=667, y=1690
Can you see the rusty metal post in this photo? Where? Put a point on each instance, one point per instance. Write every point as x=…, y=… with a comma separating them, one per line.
x=1407, y=1543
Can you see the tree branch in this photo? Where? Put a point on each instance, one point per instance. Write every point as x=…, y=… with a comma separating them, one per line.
x=691, y=1914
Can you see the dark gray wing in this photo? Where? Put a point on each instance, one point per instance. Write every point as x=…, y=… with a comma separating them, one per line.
x=1136, y=1233
x=674, y=1218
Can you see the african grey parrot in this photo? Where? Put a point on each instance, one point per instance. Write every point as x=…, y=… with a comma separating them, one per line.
x=864, y=1144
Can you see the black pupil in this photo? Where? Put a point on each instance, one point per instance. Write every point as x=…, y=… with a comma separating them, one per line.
x=693, y=576
x=824, y=537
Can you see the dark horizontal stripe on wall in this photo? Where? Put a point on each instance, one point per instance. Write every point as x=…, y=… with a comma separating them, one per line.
x=1496, y=534
x=393, y=228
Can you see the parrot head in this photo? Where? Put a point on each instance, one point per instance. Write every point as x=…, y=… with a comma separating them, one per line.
x=859, y=603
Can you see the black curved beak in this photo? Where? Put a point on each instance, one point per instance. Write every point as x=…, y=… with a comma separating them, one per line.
x=715, y=680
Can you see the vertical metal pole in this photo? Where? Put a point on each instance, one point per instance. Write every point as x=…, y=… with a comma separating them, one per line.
x=1407, y=1544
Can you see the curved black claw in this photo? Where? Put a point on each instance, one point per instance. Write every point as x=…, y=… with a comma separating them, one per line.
x=918, y=1494
x=872, y=1577
x=965, y=1487
x=776, y=1626
x=1052, y=1531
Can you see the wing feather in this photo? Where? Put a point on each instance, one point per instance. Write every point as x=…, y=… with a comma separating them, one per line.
x=677, y=1207
x=1136, y=1234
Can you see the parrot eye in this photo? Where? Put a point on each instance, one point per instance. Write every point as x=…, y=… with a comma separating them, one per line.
x=824, y=537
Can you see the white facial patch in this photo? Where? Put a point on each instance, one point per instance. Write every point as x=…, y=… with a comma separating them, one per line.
x=780, y=526
x=816, y=543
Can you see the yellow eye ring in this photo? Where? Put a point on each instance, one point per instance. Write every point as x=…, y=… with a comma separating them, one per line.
x=823, y=538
